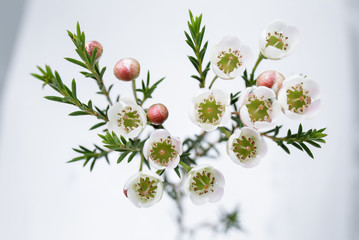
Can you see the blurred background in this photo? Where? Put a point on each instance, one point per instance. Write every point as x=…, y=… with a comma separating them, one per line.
x=284, y=197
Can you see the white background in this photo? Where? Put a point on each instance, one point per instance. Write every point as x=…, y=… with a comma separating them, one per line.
x=284, y=197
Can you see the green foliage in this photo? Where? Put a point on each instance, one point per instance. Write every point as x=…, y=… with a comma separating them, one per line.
x=88, y=62
x=128, y=148
x=194, y=39
x=299, y=140
x=146, y=89
x=88, y=156
x=69, y=96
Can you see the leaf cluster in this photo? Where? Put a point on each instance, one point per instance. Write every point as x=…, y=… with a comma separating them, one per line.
x=299, y=140
x=69, y=96
x=146, y=89
x=88, y=62
x=128, y=148
x=194, y=39
x=92, y=156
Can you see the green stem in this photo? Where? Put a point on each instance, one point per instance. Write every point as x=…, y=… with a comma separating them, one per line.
x=141, y=164
x=251, y=80
x=214, y=79
x=134, y=90
x=185, y=166
x=223, y=130
x=99, y=81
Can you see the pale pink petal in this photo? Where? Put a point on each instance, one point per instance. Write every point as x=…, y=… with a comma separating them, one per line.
x=264, y=93
x=313, y=109
x=312, y=87
x=113, y=111
x=216, y=195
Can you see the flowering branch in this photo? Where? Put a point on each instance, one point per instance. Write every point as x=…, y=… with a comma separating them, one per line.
x=194, y=40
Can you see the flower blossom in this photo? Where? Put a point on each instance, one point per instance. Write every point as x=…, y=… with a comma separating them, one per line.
x=230, y=58
x=127, y=121
x=211, y=109
x=204, y=184
x=246, y=147
x=258, y=107
x=278, y=40
x=299, y=97
x=143, y=189
x=162, y=150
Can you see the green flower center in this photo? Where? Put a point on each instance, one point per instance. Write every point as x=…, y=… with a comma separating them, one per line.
x=244, y=148
x=229, y=61
x=202, y=182
x=146, y=188
x=210, y=111
x=259, y=109
x=277, y=40
x=298, y=99
x=163, y=152
x=129, y=119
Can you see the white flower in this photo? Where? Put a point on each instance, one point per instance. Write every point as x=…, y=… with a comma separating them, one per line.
x=127, y=121
x=211, y=109
x=230, y=58
x=278, y=40
x=258, y=107
x=143, y=189
x=299, y=97
x=162, y=150
x=204, y=184
x=246, y=147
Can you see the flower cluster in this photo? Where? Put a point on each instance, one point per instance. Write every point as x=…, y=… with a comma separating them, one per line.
x=244, y=118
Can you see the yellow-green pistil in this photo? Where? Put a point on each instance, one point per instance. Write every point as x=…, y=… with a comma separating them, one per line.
x=146, y=188
x=163, y=152
x=210, y=110
x=277, y=40
x=129, y=119
x=203, y=182
x=298, y=99
x=244, y=148
x=259, y=109
x=229, y=61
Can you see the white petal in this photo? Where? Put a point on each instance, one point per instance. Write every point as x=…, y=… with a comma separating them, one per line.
x=216, y=195
x=159, y=134
x=243, y=97
x=134, y=133
x=178, y=144
x=220, y=96
x=174, y=163
x=128, y=101
x=276, y=110
x=313, y=109
x=262, y=148
x=220, y=73
x=227, y=42
x=262, y=125
x=282, y=98
x=265, y=92
x=113, y=111
x=227, y=116
x=293, y=80
x=207, y=127
x=146, y=149
x=252, y=132
x=247, y=55
x=251, y=162
x=132, y=196
x=273, y=53
x=293, y=35
x=220, y=182
x=198, y=200
x=312, y=87
x=276, y=25
x=244, y=115
x=293, y=115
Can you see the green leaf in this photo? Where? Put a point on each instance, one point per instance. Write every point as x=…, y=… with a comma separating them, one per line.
x=306, y=149
x=133, y=154
x=284, y=148
x=122, y=156
x=78, y=113
x=54, y=98
x=73, y=87
x=97, y=125
x=77, y=62
x=177, y=171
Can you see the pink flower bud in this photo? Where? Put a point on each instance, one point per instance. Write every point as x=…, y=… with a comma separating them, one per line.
x=157, y=114
x=271, y=79
x=127, y=69
x=90, y=47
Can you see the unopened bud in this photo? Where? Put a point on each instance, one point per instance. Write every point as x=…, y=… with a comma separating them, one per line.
x=127, y=69
x=157, y=114
x=271, y=79
x=90, y=47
